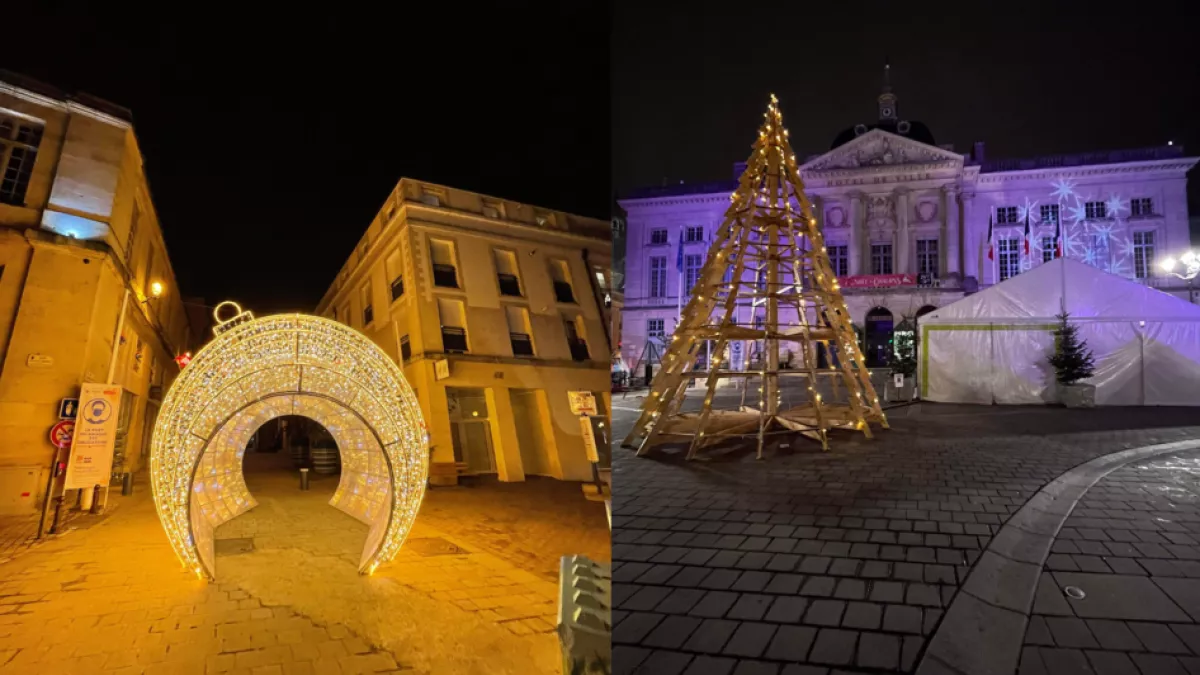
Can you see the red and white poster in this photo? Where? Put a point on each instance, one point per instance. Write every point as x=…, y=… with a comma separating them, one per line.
x=878, y=281
x=95, y=435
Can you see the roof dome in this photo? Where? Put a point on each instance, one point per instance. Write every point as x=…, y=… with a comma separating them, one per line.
x=889, y=119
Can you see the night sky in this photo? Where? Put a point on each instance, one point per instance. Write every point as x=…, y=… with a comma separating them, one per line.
x=690, y=86
x=270, y=143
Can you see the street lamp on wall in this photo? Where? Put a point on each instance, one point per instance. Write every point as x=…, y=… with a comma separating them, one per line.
x=1188, y=263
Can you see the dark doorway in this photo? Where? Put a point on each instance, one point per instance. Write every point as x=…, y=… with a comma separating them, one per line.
x=879, y=330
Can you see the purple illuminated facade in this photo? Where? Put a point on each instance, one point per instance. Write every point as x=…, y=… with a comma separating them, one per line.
x=890, y=201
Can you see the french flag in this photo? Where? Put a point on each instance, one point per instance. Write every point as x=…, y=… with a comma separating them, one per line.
x=1027, y=234
x=991, y=246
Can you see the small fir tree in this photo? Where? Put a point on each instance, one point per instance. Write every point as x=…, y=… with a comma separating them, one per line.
x=1072, y=360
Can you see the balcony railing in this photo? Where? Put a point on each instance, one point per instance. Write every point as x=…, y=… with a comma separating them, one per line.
x=521, y=344
x=445, y=276
x=563, y=292
x=509, y=285
x=579, y=349
x=397, y=288
x=454, y=339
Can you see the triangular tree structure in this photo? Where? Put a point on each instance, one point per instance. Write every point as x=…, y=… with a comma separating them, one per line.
x=767, y=255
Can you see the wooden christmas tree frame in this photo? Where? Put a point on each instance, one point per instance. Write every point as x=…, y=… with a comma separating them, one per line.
x=769, y=230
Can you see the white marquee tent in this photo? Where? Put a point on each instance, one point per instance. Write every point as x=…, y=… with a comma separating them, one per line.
x=992, y=346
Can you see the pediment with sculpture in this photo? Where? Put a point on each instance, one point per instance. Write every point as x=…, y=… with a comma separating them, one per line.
x=878, y=148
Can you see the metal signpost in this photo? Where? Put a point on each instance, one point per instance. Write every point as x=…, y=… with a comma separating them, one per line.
x=60, y=437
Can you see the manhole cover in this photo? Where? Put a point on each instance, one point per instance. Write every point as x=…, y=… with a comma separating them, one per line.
x=1074, y=592
x=224, y=547
x=431, y=546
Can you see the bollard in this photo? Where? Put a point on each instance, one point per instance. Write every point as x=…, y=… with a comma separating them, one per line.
x=58, y=501
x=303, y=479
x=127, y=485
x=585, y=615
x=95, y=500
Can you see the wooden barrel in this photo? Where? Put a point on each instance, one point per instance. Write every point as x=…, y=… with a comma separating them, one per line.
x=325, y=458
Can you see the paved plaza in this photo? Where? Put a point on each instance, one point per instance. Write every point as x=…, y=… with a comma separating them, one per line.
x=113, y=598
x=884, y=556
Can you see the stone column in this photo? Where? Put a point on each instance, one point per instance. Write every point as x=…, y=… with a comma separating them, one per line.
x=949, y=248
x=901, y=265
x=972, y=236
x=858, y=216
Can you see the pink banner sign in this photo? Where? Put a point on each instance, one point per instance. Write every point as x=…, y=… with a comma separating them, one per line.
x=878, y=280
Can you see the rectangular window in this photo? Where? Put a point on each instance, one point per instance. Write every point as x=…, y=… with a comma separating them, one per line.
x=133, y=230
x=368, y=310
x=927, y=257
x=519, y=332
x=1009, y=257
x=1049, y=213
x=1095, y=210
x=839, y=259
x=658, y=237
x=656, y=329
x=1143, y=254
x=1142, y=206
x=507, y=273
x=19, y=141
x=691, y=271
x=1047, y=249
x=453, y=320
x=1006, y=214
x=694, y=233
x=576, y=339
x=881, y=258
x=560, y=272
x=405, y=349
x=445, y=270
x=658, y=277
x=394, y=274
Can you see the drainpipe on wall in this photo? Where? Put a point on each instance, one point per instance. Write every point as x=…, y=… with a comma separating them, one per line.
x=599, y=304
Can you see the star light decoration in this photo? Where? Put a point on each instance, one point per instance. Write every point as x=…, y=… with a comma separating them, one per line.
x=288, y=364
x=1103, y=243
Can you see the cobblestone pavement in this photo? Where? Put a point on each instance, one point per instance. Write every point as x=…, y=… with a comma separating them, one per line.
x=18, y=533
x=1132, y=545
x=113, y=598
x=499, y=518
x=808, y=561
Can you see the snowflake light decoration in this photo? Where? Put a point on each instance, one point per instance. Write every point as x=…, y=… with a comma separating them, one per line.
x=288, y=364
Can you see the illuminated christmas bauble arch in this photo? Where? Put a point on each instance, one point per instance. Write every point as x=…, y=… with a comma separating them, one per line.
x=289, y=364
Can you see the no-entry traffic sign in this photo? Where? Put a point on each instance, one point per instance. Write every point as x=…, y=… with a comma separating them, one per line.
x=61, y=433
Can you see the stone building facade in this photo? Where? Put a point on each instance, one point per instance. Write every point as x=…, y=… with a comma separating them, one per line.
x=495, y=310
x=81, y=252
x=906, y=223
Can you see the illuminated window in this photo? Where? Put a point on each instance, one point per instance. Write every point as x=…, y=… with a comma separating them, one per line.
x=1049, y=213
x=881, y=258
x=19, y=141
x=1006, y=214
x=1095, y=210
x=1047, y=249
x=694, y=233
x=839, y=259
x=1143, y=254
x=658, y=276
x=1009, y=258
x=1142, y=206
x=394, y=271
x=927, y=257
x=658, y=237
x=560, y=273
x=691, y=271
x=656, y=329
x=368, y=310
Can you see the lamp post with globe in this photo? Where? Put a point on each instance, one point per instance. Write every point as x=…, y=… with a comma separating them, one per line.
x=1189, y=262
